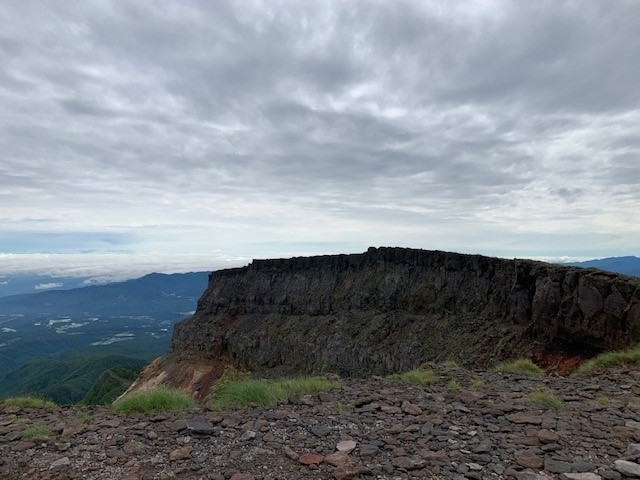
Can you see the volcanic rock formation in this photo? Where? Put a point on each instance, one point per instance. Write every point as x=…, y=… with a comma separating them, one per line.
x=389, y=310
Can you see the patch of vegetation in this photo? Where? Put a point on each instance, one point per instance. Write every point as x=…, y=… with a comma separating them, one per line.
x=522, y=366
x=157, y=400
x=477, y=383
x=37, y=432
x=421, y=376
x=231, y=375
x=65, y=379
x=111, y=384
x=342, y=407
x=544, y=397
x=450, y=364
x=28, y=402
x=17, y=420
x=236, y=395
x=630, y=358
x=307, y=385
x=453, y=384
x=84, y=417
x=603, y=400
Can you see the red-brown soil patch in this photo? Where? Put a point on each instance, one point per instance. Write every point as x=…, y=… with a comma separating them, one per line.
x=559, y=362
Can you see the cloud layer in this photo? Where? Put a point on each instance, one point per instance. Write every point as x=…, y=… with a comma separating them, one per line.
x=255, y=129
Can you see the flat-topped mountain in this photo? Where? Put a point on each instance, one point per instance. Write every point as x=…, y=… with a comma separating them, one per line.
x=391, y=309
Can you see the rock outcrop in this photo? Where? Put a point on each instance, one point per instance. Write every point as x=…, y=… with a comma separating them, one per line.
x=391, y=309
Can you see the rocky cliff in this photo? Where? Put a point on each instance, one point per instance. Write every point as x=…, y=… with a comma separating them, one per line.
x=391, y=309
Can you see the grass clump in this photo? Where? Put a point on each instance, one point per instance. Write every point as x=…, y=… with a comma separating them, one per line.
x=450, y=364
x=37, y=432
x=544, y=397
x=453, y=384
x=84, y=417
x=158, y=400
x=306, y=385
x=421, y=376
x=630, y=357
x=266, y=393
x=603, y=400
x=341, y=407
x=237, y=395
x=477, y=383
x=28, y=402
x=522, y=366
x=16, y=419
x=231, y=375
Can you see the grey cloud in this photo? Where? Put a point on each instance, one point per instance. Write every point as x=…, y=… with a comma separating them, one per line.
x=376, y=110
x=573, y=56
x=82, y=107
x=568, y=194
x=624, y=169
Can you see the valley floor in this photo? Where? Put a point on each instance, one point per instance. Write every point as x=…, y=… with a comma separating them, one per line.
x=471, y=424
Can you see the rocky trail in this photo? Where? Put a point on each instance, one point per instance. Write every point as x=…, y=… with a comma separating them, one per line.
x=469, y=425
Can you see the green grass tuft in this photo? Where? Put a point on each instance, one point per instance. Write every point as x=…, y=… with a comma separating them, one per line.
x=306, y=385
x=84, y=417
x=421, y=376
x=603, y=400
x=630, y=357
x=342, y=407
x=522, y=366
x=450, y=364
x=266, y=393
x=453, y=384
x=28, y=402
x=544, y=397
x=158, y=400
x=37, y=432
x=231, y=375
x=477, y=383
x=237, y=395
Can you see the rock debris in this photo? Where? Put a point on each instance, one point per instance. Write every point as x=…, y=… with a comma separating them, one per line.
x=373, y=428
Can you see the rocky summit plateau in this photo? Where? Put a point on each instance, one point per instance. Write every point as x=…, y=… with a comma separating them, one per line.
x=391, y=309
x=470, y=424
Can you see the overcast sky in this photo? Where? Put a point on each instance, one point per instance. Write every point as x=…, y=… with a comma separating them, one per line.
x=162, y=135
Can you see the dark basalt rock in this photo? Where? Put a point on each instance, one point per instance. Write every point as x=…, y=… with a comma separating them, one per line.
x=391, y=309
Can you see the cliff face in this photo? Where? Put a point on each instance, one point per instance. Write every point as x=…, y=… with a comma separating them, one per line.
x=391, y=309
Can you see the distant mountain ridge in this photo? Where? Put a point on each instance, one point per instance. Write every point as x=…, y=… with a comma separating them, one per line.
x=27, y=283
x=69, y=378
x=628, y=265
x=163, y=295
x=103, y=326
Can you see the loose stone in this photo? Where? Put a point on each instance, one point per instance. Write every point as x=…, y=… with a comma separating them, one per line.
x=529, y=459
x=311, y=459
x=625, y=467
x=580, y=476
x=346, y=446
x=408, y=463
x=60, y=463
x=181, y=453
